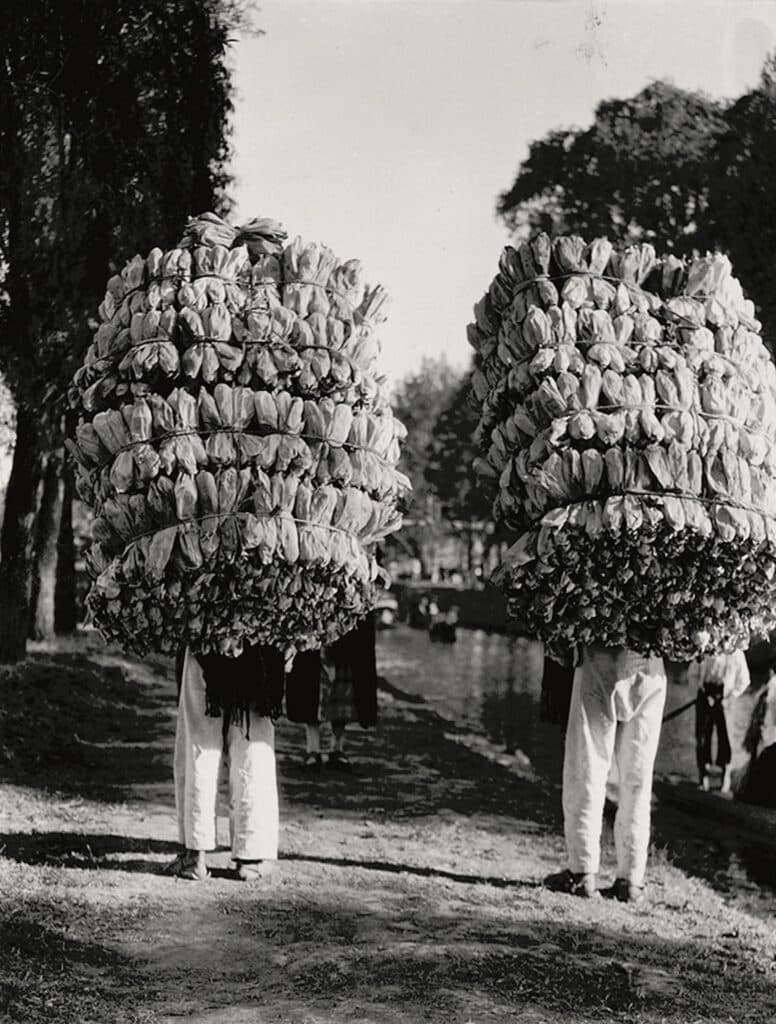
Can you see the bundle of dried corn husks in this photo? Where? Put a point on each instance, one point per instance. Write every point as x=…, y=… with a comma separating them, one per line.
x=628, y=419
x=236, y=444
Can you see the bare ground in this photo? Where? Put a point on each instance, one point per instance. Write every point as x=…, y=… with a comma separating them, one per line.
x=408, y=894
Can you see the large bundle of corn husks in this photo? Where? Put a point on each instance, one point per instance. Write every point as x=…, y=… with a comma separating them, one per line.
x=236, y=444
x=628, y=420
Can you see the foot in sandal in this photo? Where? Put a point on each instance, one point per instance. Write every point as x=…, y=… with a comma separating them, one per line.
x=250, y=870
x=189, y=865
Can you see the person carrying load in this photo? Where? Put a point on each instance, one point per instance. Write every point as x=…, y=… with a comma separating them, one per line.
x=236, y=444
x=719, y=678
x=226, y=708
x=628, y=427
x=616, y=710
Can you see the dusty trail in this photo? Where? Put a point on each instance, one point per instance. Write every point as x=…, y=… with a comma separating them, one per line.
x=408, y=894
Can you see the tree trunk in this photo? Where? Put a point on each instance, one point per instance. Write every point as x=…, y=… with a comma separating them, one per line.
x=44, y=569
x=15, y=538
x=65, y=598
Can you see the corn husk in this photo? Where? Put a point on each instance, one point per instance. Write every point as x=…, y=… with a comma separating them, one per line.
x=235, y=444
x=629, y=425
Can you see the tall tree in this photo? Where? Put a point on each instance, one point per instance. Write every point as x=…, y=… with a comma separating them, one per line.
x=466, y=504
x=742, y=174
x=668, y=166
x=66, y=610
x=418, y=401
x=450, y=452
x=43, y=570
x=114, y=127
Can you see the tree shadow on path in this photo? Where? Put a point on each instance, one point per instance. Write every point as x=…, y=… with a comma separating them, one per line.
x=390, y=954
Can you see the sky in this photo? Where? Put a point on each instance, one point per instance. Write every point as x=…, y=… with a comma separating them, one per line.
x=387, y=128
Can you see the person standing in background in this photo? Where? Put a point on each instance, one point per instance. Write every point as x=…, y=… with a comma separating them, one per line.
x=337, y=685
x=720, y=678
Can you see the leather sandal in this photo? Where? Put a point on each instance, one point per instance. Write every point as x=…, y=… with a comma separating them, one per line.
x=189, y=866
x=251, y=870
x=583, y=885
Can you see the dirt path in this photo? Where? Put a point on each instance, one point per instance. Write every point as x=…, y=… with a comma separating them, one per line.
x=409, y=894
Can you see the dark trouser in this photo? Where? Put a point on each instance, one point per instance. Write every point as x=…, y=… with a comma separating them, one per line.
x=557, y=683
x=709, y=717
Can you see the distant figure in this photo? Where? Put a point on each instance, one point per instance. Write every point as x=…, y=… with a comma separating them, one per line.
x=758, y=784
x=719, y=678
x=337, y=685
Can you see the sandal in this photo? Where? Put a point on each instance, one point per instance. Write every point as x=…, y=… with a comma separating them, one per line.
x=251, y=870
x=189, y=865
x=338, y=761
x=580, y=884
x=626, y=892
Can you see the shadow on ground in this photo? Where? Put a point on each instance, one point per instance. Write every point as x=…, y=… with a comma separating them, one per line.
x=408, y=767
x=403, y=955
x=103, y=852
x=84, y=850
x=57, y=972
x=81, y=728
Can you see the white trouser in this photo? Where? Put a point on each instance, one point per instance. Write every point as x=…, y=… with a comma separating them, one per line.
x=253, y=796
x=616, y=712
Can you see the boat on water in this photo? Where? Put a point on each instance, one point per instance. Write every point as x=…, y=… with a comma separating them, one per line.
x=443, y=627
x=478, y=607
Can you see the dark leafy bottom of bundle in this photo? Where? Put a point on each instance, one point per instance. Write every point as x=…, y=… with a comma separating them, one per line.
x=675, y=593
x=248, y=603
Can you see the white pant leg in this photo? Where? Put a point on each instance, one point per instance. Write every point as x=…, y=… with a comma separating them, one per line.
x=636, y=749
x=198, y=751
x=253, y=808
x=588, y=755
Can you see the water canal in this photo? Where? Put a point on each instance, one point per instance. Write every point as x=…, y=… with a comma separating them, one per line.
x=491, y=683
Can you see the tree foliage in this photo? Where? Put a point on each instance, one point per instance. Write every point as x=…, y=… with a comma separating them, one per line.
x=742, y=200
x=418, y=401
x=436, y=405
x=450, y=454
x=114, y=125
x=638, y=173
x=669, y=166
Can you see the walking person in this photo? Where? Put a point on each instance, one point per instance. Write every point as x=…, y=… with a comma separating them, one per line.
x=337, y=685
x=226, y=708
x=615, y=715
x=719, y=679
